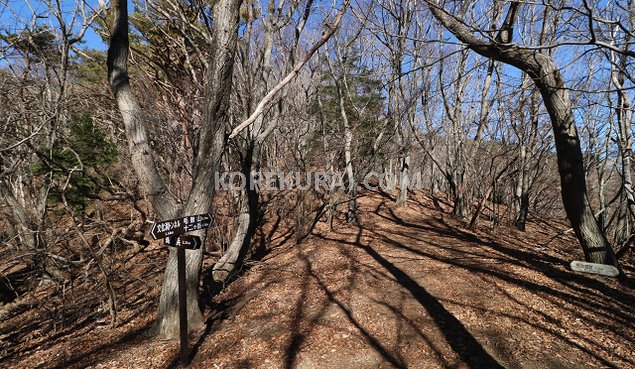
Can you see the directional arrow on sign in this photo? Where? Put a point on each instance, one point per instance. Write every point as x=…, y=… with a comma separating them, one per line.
x=172, y=233
x=180, y=225
x=183, y=241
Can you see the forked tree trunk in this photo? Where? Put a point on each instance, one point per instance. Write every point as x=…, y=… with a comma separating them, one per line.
x=206, y=158
x=218, y=85
x=249, y=202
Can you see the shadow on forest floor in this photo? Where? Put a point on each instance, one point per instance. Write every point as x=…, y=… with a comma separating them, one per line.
x=411, y=286
x=407, y=287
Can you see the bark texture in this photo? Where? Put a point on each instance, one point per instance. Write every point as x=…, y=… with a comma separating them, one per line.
x=218, y=85
x=206, y=159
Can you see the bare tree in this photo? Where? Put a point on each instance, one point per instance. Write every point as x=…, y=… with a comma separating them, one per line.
x=624, y=121
x=258, y=78
x=542, y=69
x=36, y=101
x=210, y=138
x=206, y=158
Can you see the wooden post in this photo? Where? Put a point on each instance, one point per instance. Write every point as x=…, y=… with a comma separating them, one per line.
x=180, y=253
x=172, y=233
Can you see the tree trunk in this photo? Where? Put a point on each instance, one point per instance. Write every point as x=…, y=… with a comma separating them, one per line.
x=404, y=180
x=351, y=214
x=526, y=171
x=455, y=181
x=162, y=201
x=247, y=221
x=455, y=150
x=570, y=162
x=521, y=197
x=521, y=221
x=624, y=143
x=329, y=158
x=389, y=177
x=206, y=159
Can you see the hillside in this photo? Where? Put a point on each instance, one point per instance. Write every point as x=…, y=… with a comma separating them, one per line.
x=406, y=288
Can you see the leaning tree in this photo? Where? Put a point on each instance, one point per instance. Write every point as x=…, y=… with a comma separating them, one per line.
x=540, y=66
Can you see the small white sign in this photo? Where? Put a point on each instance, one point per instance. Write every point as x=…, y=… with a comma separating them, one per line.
x=601, y=269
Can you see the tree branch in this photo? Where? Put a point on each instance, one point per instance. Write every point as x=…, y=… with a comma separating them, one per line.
x=294, y=72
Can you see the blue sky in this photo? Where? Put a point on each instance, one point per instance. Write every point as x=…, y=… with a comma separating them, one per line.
x=16, y=15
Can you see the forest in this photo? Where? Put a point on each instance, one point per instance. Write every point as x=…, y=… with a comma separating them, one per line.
x=317, y=184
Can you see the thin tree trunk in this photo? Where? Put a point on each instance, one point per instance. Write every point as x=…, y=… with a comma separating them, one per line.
x=247, y=221
x=329, y=159
x=351, y=214
x=455, y=162
x=521, y=197
x=404, y=180
x=624, y=142
x=484, y=111
x=526, y=171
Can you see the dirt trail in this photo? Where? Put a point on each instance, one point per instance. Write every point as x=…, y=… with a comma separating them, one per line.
x=407, y=288
x=411, y=289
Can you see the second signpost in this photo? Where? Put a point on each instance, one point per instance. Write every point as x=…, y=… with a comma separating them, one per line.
x=172, y=232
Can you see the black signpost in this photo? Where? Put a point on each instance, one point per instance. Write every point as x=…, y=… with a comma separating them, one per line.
x=180, y=225
x=172, y=233
x=180, y=255
x=183, y=241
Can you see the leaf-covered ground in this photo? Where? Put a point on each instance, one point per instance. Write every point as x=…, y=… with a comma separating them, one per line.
x=407, y=288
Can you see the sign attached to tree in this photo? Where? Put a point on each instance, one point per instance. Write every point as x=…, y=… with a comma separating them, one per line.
x=172, y=233
x=601, y=269
x=180, y=225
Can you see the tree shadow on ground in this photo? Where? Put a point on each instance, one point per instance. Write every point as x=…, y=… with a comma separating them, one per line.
x=584, y=292
x=101, y=353
x=378, y=250
x=298, y=337
x=542, y=263
x=211, y=288
x=469, y=350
